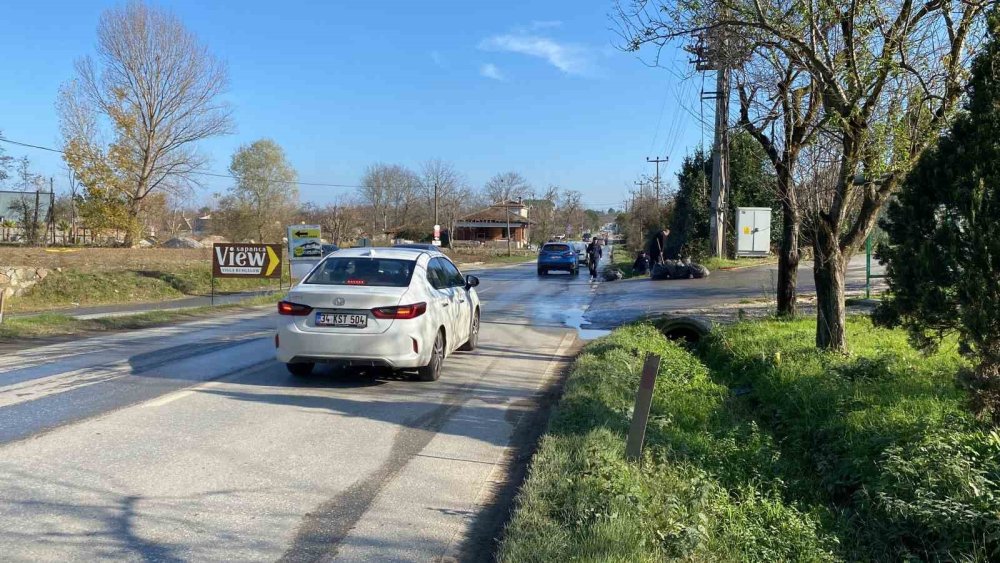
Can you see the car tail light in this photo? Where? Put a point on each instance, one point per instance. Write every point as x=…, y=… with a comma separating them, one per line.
x=293, y=309
x=400, y=312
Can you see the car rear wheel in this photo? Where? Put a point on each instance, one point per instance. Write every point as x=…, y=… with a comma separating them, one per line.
x=473, y=340
x=575, y=271
x=301, y=369
x=432, y=371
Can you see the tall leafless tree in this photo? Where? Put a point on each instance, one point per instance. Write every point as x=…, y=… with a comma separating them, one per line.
x=890, y=76
x=159, y=89
x=507, y=186
x=390, y=190
x=780, y=107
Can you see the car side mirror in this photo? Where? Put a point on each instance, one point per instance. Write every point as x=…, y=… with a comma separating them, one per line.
x=471, y=282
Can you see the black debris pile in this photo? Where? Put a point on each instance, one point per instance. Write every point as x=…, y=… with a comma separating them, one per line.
x=612, y=274
x=678, y=270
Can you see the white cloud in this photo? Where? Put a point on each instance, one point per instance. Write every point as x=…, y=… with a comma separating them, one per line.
x=490, y=70
x=569, y=58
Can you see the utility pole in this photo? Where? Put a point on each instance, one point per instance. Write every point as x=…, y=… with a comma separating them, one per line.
x=436, y=202
x=720, y=163
x=642, y=191
x=506, y=211
x=658, y=160
x=710, y=51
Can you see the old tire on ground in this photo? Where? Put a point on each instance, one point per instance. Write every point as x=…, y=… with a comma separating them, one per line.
x=432, y=371
x=301, y=369
x=473, y=340
x=685, y=329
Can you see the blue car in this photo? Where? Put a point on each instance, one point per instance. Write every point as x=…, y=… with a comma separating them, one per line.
x=558, y=256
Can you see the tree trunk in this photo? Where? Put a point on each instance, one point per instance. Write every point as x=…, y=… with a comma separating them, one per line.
x=829, y=267
x=134, y=229
x=788, y=263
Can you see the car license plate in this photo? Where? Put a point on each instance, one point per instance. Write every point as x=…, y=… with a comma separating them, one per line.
x=342, y=320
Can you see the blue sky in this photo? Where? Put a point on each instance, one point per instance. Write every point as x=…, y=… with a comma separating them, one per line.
x=536, y=87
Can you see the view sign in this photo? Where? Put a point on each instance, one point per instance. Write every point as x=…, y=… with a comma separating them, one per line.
x=233, y=260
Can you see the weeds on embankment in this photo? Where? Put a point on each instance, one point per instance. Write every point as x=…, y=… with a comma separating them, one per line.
x=761, y=448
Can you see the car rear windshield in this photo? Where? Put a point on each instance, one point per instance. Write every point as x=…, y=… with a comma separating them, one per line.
x=361, y=271
x=555, y=248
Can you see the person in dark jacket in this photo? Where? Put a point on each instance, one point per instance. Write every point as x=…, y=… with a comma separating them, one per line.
x=658, y=247
x=594, y=254
x=641, y=265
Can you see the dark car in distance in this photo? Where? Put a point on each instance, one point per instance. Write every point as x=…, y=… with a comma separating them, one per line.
x=558, y=256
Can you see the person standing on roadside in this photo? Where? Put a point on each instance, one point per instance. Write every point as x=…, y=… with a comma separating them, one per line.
x=594, y=252
x=658, y=247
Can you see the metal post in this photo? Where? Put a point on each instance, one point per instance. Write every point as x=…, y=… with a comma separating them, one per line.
x=868, y=267
x=643, y=400
x=3, y=298
x=506, y=210
x=213, y=289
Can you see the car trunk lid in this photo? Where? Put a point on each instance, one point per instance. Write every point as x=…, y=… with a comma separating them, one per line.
x=347, y=300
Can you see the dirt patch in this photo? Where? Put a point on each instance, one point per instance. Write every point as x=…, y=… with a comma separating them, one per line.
x=760, y=309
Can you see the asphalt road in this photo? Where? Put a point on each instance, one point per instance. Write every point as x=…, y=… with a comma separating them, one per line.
x=190, y=442
x=628, y=300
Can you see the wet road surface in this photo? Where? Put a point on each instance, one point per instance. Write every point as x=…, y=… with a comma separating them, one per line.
x=189, y=442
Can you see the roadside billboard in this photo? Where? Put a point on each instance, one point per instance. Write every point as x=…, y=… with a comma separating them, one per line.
x=237, y=260
x=305, y=242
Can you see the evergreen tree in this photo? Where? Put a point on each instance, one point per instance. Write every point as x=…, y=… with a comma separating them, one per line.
x=751, y=184
x=943, y=254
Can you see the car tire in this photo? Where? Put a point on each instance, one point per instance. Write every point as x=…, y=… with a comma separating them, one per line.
x=473, y=340
x=542, y=271
x=576, y=271
x=432, y=371
x=301, y=369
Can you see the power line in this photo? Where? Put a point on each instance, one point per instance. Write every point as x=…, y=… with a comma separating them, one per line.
x=30, y=146
x=219, y=175
x=200, y=173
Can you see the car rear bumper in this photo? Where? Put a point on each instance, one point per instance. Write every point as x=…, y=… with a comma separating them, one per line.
x=560, y=265
x=391, y=348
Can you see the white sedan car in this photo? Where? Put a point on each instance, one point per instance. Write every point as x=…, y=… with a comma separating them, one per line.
x=388, y=307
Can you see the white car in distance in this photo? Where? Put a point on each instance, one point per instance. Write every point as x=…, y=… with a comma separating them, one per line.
x=396, y=308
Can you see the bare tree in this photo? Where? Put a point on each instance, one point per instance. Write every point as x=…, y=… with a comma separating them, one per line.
x=890, y=76
x=340, y=220
x=570, y=214
x=439, y=181
x=507, y=186
x=780, y=107
x=390, y=190
x=158, y=89
x=543, y=215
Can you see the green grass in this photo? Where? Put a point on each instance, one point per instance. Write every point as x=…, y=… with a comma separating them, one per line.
x=56, y=324
x=764, y=450
x=73, y=287
x=723, y=263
